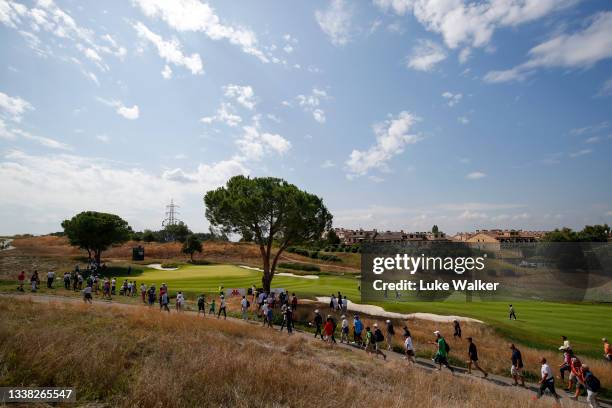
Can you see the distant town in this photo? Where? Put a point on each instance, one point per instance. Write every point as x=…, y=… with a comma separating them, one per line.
x=357, y=236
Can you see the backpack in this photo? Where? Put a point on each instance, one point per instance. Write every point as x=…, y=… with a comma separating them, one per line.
x=379, y=336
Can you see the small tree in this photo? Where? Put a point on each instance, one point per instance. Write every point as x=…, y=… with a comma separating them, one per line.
x=272, y=210
x=96, y=231
x=332, y=238
x=192, y=245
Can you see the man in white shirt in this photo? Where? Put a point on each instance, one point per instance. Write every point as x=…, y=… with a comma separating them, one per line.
x=408, y=346
x=244, y=306
x=547, y=380
x=50, y=279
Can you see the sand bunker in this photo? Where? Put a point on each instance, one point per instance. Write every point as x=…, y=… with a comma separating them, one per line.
x=379, y=311
x=291, y=275
x=5, y=245
x=159, y=267
x=296, y=276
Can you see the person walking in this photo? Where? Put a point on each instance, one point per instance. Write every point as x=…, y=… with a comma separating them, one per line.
x=441, y=356
x=87, y=294
x=202, y=304
x=344, y=330
x=390, y=334
x=211, y=309
x=143, y=292
x=244, y=307
x=151, y=293
x=473, y=358
x=547, y=380
x=164, y=301
x=50, y=279
x=511, y=312
x=222, y=308
x=294, y=302
x=377, y=338
x=318, y=322
x=607, y=349
x=34, y=281
x=20, y=280
x=289, y=320
x=344, y=304
x=592, y=385
x=457, y=328
x=576, y=376
x=67, y=280
x=567, y=360
x=516, y=370
x=409, y=347
x=357, y=330
x=180, y=301
x=328, y=330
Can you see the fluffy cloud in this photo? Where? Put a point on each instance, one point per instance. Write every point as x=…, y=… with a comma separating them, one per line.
x=193, y=15
x=122, y=110
x=225, y=114
x=392, y=136
x=253, y=144
x=475, y=175
x=581, y=49
x=451, y=98
x=335, y=21
x=311, y=103
x=13, y=107
x=244, y=95
x=472, y=24
x=170, y=51
x=425, y=56
x=35, y=187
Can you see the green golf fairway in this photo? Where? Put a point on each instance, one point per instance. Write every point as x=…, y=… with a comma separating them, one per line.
x=539, y=324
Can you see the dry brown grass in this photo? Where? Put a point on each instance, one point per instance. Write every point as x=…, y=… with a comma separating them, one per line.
x=139, y=357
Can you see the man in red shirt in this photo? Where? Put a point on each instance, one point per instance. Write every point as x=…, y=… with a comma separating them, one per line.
x=21, y=278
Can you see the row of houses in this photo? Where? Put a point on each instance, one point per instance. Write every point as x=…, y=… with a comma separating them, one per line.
x=493, y=236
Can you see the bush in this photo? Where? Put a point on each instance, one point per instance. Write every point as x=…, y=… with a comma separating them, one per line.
x=299, y=267
x=200, y=262
x=314, y=255
x=170, y=265
x=331, y=258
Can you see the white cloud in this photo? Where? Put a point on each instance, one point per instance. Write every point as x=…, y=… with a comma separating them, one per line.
x=311, y=103
x=472, y=215
x=392, y=136
x=167, y=72
x=581, y=49
x=14, y=107
x=475, y=175
x=464, y=120
x=593, y=139
x=579, y=153
x=244, y=95
x=193, y=15
x=606, y=88
x=103, y=138
x=225, y=114
x=451, y=98
x=170, y=51
x=122, y=110
x=253, y=144
x=36, y=185
x=472, y=24
x=319, y=115
x=425, y=55
x=335, y=21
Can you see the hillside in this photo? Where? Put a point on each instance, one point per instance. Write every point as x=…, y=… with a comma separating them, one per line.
x=128, y=356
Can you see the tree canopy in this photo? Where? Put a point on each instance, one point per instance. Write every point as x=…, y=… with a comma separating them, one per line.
x=590, y=233
x=271, y=211
x=192, y=245
x=176, y=232
x=96, y=231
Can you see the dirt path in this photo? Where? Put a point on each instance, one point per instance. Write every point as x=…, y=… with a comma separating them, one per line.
x=422, y=363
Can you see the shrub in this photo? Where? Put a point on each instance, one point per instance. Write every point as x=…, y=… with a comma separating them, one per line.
x=331, y=258
x=299, y=267
x=314, y=255
x=170, y=265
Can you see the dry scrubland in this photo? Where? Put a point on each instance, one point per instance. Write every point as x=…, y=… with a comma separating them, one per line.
x=50, y=251
x=135, y=357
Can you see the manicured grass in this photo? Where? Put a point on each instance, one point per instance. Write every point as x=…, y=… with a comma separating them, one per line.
x=195, y=279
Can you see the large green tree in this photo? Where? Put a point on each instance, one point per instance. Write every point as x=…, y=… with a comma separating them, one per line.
x=192, y=244
x=176, y=232
x=270, y=210
x=96, y=231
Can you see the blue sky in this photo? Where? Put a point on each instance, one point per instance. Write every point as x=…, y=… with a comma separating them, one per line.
x=399, y=113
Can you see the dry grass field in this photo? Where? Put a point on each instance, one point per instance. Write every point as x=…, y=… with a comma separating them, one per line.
x=120, y=356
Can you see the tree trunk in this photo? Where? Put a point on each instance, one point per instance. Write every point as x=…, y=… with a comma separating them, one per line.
x=98, y=254
x=191, y=257
x=266, y=279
